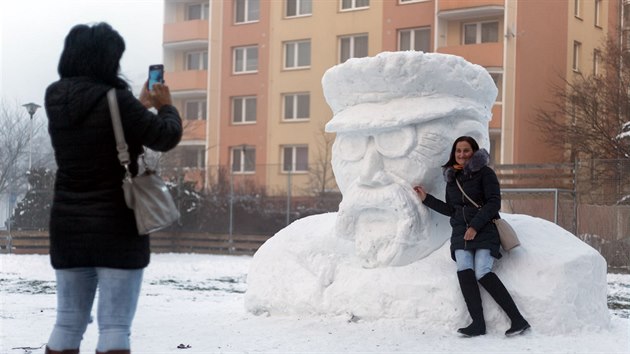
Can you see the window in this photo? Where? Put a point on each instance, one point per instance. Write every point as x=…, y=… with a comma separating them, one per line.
x=353, y=47
x=598, y=11
x=246, y=59
x=193, y=156
x=197, y=11
x=295, y=159
x=481, y=32
x=415, y=39
x=577, y=48
x=497, y=77
x=243, y=159
x=246, y=11
x=299, y=8
x=297, y=106
x=195, y=109
x=297, y=54
x=577, y=8
x=597, y=57
x=244, y=109
x=197, y=60
x=354, y=4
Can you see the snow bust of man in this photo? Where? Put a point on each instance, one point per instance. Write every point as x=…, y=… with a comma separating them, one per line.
x=396, y=116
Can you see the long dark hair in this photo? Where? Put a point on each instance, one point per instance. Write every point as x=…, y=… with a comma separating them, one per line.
x=470, y=140
x=95, y=52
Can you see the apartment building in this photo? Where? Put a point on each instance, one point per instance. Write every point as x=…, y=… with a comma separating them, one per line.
x=247, y=73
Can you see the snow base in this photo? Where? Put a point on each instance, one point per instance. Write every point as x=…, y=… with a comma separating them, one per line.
x=557, y=281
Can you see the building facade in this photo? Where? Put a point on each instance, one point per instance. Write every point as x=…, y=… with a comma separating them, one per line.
x=246, y=74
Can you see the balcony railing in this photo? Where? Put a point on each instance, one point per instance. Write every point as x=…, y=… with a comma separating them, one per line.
x=187, y=31
x=191, y=80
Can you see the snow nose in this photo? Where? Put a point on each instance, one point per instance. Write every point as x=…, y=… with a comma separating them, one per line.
x=373, y=170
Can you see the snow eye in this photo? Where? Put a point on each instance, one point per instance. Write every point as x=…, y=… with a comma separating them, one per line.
x=351, y=147
x=431, y=145
x=396, y=143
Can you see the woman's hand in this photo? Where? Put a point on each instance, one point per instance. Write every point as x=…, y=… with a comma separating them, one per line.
x=144, y=96
x=470, y=234
x=159, y=96
x=421, y=192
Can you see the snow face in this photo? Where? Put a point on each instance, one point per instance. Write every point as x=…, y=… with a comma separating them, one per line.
x=384, y=255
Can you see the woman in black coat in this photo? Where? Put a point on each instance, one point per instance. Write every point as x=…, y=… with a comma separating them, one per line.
x=475, y=239
x=94, y=242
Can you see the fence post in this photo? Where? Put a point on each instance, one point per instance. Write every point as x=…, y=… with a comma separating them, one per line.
x=288, y=198
x=576, y=199
x=231, y=217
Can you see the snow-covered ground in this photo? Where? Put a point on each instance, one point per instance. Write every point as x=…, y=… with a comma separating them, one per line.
x=197, y=301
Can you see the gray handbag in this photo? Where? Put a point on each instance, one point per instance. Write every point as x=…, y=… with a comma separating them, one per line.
x=507, y=235
x=146, y=193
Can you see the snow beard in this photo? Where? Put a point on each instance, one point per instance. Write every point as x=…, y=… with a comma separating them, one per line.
x=389, y=225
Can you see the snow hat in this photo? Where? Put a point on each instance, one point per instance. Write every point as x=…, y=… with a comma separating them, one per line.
x=399, y=88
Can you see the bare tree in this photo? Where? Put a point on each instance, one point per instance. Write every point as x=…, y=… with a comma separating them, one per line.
x=321, y=177
x=16, y=132
x=589, y=114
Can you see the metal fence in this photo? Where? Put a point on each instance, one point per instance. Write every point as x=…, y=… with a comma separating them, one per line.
x=589, y=198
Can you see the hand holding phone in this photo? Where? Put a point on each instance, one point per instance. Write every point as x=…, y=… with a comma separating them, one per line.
x=156, y=75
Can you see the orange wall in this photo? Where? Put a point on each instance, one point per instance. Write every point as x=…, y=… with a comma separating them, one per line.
x=244, y=85
x=541, y=60
x=400, y=16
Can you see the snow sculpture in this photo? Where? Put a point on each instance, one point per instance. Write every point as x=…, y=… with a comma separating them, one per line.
x=384, y=255
x=396, y=118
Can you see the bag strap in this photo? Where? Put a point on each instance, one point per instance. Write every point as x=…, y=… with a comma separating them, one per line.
x=466, y=195
x=121, y=144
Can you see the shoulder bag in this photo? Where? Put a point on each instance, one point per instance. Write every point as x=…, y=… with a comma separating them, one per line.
x=507, y=235
x=147, y=193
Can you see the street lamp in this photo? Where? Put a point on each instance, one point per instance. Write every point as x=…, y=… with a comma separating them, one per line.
x=31, y=108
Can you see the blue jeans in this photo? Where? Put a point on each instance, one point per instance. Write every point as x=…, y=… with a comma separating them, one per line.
x=118, y=292
x=479, y=260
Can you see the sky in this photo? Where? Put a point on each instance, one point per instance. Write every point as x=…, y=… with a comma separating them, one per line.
x=32, y=35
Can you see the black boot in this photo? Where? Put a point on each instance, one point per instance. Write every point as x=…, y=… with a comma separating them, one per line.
x=470, y=290
x=499, y=293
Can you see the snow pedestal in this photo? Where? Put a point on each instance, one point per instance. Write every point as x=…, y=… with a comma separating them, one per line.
x=557, y=281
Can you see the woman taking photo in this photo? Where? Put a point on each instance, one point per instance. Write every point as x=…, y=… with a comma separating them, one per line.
x=475, y=239
x=94, y=243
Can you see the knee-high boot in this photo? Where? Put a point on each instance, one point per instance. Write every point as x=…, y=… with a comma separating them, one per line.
x=472, y=297
x=66, y=351
x=499, y=293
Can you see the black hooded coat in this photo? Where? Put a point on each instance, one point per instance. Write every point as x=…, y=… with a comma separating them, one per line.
x=482, y=185
x=90, y=224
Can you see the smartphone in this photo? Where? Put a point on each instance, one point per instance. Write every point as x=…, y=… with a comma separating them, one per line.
x=156, y=75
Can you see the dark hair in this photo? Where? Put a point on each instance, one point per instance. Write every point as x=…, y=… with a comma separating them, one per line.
x=93, y=51
x=470, y=140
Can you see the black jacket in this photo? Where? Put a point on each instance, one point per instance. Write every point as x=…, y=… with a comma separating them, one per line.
x=481, y=184
x=90, y=224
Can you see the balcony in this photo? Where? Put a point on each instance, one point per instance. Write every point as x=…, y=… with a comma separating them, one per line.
x=187, y=83
x=186, y=33
x=484, y=54
x=470, y=5
x=497, y=114
x=470, y=9
x=194, y=130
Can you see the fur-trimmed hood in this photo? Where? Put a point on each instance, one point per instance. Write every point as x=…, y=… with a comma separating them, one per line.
x=478, y=160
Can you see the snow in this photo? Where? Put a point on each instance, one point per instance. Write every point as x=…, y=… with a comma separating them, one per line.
x=197, y=300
